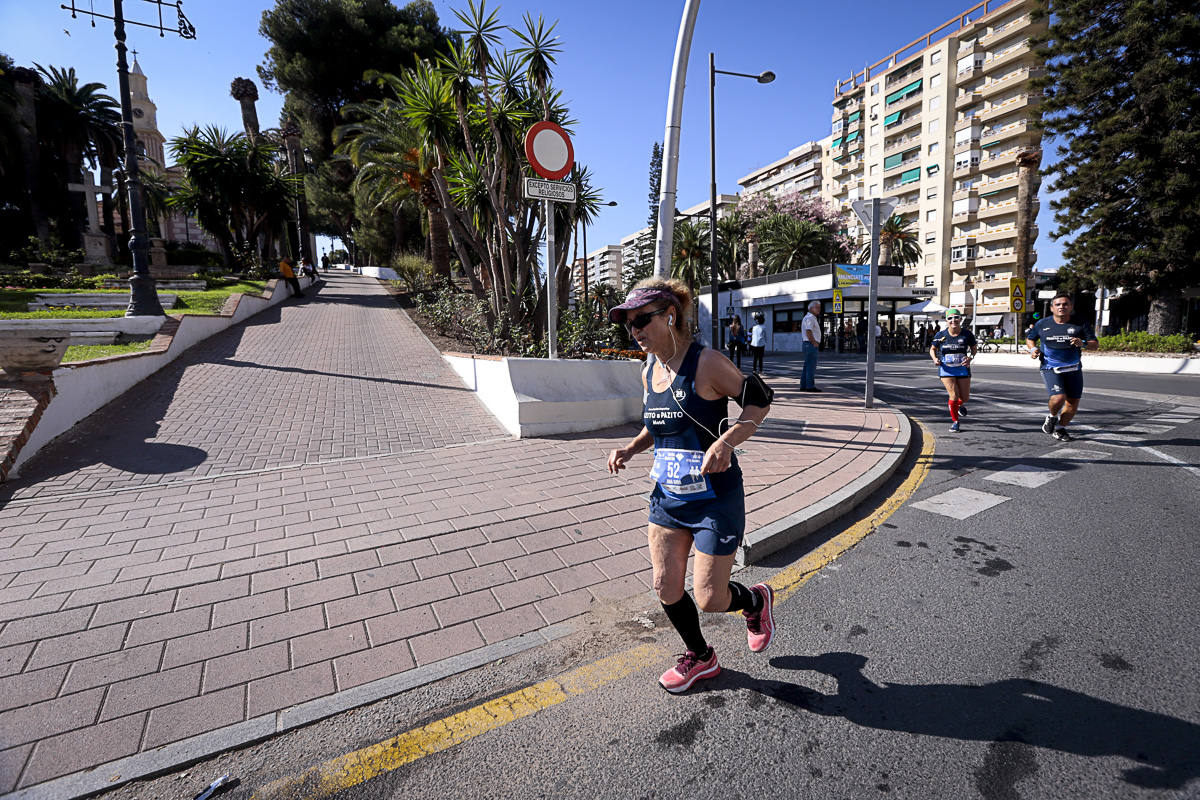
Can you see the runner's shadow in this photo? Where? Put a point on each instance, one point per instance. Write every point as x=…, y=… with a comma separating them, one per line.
x=1013, y=710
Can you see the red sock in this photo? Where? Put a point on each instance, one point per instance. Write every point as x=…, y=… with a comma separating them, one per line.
x=962, y=403
x=953, y=409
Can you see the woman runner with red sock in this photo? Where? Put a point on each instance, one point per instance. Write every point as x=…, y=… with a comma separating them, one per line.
x=953, y=350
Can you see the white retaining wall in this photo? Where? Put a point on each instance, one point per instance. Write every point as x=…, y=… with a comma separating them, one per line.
x=539, y=397
x=85, y=387
x=1102, y=362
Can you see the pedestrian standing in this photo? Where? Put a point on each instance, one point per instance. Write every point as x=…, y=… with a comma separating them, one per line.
x=737, y=336
x=758, y=343
x=810, y=329
x=306, y=266
x=698, y=500
x=953, y=350
x=1058, y=342
x=289, y=275
x=325, y=262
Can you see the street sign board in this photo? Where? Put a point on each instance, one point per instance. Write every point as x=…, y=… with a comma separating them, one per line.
x=852, y=275
x=837, y=301
x=549, y=151
x=1016, y=294
x=558, y=191
x=863, y=209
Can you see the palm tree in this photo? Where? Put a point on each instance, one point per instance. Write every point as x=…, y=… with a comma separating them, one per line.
x=76, y=123
x=731, y=245
x=689, y=261
x=787, y=243
x=898, y=244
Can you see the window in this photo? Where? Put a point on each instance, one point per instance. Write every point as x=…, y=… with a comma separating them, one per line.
x=933, y=148
x=934, y=125
x=935, y=57
x=873, y=149
x=932, y=193
x=933, y=169
x=929, y=280
x=935, y=103
x=875, y=88
x=935, y=81
x=872, y=192
x=874, y=130
x=875, y=109
x=930, y=237
x=967, y=158
x=930, y=216
x=962, y=253
x=874, y=169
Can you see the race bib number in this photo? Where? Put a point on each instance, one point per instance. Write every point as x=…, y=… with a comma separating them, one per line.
x=953, y=359
x=678, y=473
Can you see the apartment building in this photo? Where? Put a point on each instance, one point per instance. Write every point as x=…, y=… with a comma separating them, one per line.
x=603, y=265
x=938, y=124
x=799, y=171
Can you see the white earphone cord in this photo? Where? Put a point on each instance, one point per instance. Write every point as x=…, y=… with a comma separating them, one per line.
x=732, y=420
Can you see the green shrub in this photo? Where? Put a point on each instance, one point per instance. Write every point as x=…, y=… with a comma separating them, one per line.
x=50, y=252
x=36, y=280
x=1143, y=342
x=415, y=271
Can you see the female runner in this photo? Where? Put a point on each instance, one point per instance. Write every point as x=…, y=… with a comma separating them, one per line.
x=953, y=350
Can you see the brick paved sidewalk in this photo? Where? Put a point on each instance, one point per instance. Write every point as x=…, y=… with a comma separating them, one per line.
x=164, y=607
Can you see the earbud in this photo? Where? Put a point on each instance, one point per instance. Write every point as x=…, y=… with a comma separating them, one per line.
x=670, y=320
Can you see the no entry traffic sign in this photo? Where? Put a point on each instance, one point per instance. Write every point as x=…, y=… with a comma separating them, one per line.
x=549, y=150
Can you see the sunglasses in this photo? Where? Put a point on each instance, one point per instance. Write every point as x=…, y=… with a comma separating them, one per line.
x=642, y=320
x=954, y=319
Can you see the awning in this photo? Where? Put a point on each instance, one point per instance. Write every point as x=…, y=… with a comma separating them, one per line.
x=988, y=319
x=904, y=92
x=923, y=307
x=836, y=142
x=852, y=137
x=853, y=116
x=890, y=118
x=910, y=175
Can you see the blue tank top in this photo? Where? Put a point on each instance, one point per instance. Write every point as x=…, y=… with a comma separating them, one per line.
x=664, y=416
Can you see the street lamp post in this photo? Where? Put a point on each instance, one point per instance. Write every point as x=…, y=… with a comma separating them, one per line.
x=585, y=253
x=762, y=77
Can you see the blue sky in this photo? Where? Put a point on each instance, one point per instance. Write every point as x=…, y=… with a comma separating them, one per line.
x=614, y=71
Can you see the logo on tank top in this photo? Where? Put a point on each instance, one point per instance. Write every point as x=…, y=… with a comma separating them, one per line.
x=679, y=394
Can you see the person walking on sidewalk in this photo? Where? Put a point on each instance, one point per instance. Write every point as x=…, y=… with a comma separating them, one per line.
x=698, y=499
x=810, y=328
x=1062, y=343
x=952, y=350
x=289, y=275
x=737, y=336
x=758, y=343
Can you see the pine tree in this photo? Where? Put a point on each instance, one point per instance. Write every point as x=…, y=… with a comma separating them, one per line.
x=643, y=266
x=1121, y=92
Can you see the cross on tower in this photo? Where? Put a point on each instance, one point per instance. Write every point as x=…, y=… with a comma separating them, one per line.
x=134, y=54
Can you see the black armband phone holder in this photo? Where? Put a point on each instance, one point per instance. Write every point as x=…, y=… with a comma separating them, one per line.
x=755, y=392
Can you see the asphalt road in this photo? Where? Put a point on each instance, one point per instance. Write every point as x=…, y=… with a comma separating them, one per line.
x=1043, y=646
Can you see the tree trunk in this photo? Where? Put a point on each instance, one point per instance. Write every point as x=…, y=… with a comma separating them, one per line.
x=1028, y=162
x=752, y=257
x=1164, y=315
x=439, y=244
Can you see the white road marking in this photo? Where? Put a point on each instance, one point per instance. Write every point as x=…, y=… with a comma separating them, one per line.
x=960, y=503
x=1172, y=460
x=1073, y=454
x=1026, y=475
x=1144, y=428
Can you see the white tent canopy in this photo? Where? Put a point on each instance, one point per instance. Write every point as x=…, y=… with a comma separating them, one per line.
x=924, y=307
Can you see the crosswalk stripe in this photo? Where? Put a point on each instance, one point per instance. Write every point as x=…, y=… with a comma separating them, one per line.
x=1025, y=475
x=960, y=503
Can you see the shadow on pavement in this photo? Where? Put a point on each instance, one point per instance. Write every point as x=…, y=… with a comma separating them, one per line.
x=1014, y=710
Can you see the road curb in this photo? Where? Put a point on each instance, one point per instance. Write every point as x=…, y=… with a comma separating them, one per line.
x=794, y=527
x=176, y=755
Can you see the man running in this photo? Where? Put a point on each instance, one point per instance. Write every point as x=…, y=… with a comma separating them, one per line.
x=1061, y=345
x=952, y=350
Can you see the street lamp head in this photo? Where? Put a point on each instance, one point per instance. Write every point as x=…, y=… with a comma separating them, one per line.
x=766, y=77
x=609, y=203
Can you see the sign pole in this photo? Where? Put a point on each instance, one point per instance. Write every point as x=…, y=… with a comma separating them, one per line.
x=551, y=283
x=869, y=397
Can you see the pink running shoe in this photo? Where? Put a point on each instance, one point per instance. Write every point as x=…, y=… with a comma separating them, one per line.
x=760, y=625
x=690, y=669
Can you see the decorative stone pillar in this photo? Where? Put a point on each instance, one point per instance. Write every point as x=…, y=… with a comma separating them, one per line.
x=158, y=253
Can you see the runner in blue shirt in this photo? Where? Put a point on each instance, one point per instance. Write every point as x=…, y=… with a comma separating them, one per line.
x=1058, y=343
x=952, y=351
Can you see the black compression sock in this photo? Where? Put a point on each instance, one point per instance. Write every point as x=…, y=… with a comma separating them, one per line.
x=742, y=599
x=686, y=620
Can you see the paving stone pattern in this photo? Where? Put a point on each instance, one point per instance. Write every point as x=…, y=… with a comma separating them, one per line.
x=135, y=617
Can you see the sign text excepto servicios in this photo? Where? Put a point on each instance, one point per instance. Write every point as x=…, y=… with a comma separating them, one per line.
x=558, y=191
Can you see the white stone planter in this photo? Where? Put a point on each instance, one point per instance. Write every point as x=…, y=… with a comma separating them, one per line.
x=541, y=397
x=33, y=353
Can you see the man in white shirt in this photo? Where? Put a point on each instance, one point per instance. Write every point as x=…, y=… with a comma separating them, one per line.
x=810, y=329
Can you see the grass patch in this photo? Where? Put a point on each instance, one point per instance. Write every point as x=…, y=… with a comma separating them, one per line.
x=13, y=302
x=86, y=352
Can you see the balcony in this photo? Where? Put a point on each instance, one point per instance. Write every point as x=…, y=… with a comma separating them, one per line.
x=1011, y=55
x=913, y=120
x=901, y=142
x=850, y=107
x=999, y=234
x=902, y=165
x=993, y=210
x=1002, y=158
x=966, y=121
x=989, y=185
x=1007, y=29
x=963, y=216
x=966, y=169
x=966, y=99
x=853, y=165
x=1010, y=81
x=906, y=206
x=1003, y=257
x=993, y=135
x=902, y=77
x=906, y=102
x=966, y=144
x=1014, y=103
x=960, y=194
x=965, y=240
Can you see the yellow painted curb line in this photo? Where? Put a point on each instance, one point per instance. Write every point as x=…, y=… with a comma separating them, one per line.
x=346, y=771
x=349, y=770
x=788, y=581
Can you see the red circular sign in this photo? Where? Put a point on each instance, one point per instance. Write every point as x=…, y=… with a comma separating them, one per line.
x=549, y=150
